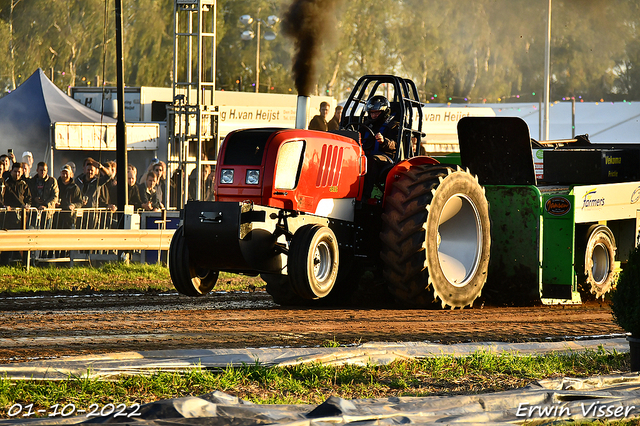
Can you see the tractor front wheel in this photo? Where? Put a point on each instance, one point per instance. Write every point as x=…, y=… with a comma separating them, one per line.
x=436, y=237
x=187, y=278
x=313, y=261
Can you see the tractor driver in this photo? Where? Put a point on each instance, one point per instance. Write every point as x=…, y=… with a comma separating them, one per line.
x=383, y=125
x=378, y=142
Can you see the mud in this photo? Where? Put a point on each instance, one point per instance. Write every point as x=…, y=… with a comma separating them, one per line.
x=46, y=326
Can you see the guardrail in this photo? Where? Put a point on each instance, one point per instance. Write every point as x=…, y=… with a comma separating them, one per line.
x=85, y=239
x=54, y=236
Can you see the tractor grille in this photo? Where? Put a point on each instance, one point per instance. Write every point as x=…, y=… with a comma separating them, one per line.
x=330, y=166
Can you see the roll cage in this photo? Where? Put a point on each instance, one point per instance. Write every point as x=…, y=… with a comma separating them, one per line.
x=405, y=108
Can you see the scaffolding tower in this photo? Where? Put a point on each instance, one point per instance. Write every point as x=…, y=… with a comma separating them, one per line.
x=193, y=116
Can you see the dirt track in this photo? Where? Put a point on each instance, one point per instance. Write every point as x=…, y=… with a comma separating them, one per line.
x=63, y=325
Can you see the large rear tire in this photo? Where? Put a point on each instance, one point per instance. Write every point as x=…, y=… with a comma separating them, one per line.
x=436, y=237
x=313, y=261
x=599, y=262
x=188, y=278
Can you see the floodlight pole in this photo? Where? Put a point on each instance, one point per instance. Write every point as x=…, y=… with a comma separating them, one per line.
x=547, y=62
x=121, y=130
x=248, y=35
x=258, y=56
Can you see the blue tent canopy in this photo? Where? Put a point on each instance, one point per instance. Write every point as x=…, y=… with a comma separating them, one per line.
x=26, y=115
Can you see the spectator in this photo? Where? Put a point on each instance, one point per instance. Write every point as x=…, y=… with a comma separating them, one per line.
x=27, y=159
x=73, y=167
x=26, y=170
x=334, y=123
x=70, y=197
x=177, y=192
x=16, y=196
x=16, y=190
x=44, y=188
x=135, y=199
x=149, y=194
x=206, y=190
x=143, y=178
x=44, y=194
x=160, y=168
x=319, y=122
x=111, y=188
x=91, y=182
x=6, y=161
x=421, y=150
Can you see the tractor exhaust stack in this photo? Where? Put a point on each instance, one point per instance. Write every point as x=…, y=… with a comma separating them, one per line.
x=302, y=112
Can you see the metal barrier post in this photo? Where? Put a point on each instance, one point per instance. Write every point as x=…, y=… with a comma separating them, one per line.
x=163, y=226
x=24, y=227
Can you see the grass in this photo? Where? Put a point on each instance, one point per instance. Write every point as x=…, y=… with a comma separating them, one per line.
x=314, y=383
x=109, y=277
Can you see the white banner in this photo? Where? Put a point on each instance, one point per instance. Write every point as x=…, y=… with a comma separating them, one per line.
x=606, y=201
x=96, y=136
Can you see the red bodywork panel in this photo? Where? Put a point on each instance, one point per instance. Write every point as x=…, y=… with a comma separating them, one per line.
x=332, y=167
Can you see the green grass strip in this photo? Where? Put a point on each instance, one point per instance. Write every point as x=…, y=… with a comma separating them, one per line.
x=480, y=372
x=108, y=277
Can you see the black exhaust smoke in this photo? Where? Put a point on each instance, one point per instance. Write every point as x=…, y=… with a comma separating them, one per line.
x=311, y=24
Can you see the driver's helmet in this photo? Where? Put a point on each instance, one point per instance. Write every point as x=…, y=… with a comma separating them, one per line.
x=377, y=103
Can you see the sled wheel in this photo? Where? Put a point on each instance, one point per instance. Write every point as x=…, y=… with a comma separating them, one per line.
x=280, y=289
x=313, y=261
x=436, y=237
x=599, y=261
x=187, y=278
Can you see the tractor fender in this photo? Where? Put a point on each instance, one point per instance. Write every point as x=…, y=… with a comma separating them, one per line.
x=404, y=166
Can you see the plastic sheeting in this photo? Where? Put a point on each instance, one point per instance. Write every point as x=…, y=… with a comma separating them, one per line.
x=110, y=365
x=603, y=397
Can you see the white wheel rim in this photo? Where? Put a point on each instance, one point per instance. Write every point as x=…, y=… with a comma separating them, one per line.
x=459, y=240
x=322, y=261
x=600, y=260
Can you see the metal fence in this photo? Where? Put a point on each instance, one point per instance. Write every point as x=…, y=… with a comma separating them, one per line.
x=33, y=218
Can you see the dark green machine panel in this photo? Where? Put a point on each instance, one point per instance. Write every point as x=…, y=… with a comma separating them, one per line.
x=532, y=245
x=514, y=268
x=558, y=277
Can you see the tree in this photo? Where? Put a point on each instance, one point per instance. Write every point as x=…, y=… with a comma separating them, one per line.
x=626, y=72
x=5, y=66
x=237, y=57
x=9, y=10
x=148, y=43
x=585, y=49
x=486, y=49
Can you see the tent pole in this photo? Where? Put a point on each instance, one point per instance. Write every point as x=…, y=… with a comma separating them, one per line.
x=52, y=141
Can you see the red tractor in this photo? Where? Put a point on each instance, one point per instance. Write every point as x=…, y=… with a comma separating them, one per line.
x=291, y=206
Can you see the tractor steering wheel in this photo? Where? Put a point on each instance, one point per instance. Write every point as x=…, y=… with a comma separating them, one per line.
x=355, y=126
